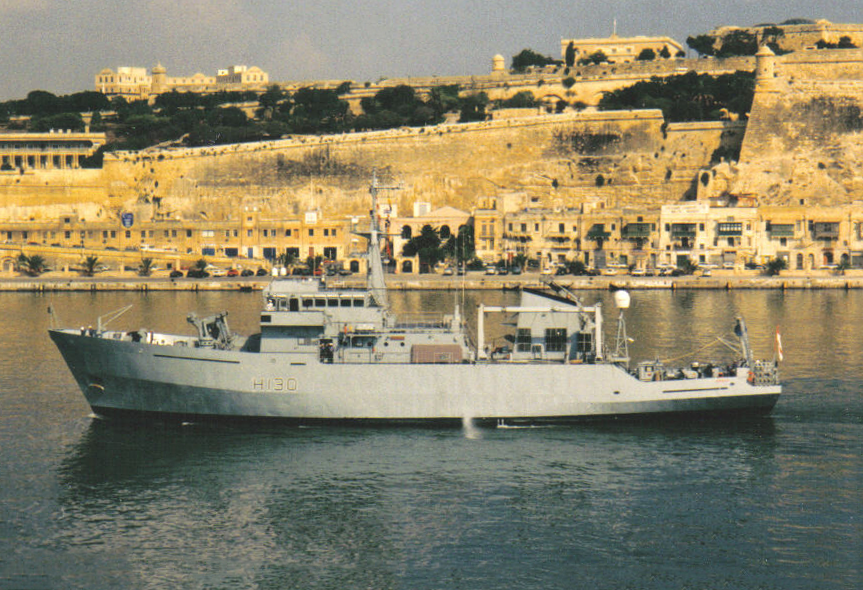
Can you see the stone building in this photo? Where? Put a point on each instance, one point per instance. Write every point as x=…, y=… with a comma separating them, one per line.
x=800, y=36
x=134, y=83
x=54, y=150
x=621, y=49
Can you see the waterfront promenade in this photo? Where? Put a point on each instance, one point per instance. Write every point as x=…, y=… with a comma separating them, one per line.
x=54, y=282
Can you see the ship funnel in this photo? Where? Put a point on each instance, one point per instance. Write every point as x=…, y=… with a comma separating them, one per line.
x=621, y=299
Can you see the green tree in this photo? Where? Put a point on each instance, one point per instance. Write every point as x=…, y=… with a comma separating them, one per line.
x=146, y=267
x=646, y=54
x=527, y=58
x=96, y=123
x=32, y=265
x=315, y=110
x=703, y=44
x=444, y=99
x=71, y=121
x=569, y=55
x=595, y=58
x=521, y=100
x=774, y=266
x=687, y=97
x=427, y=247
x=286, y=259
x=269, y=100
x=473, y=107
x=88, y=101
x=227, y=117
x=738, y=42
x=89, y=265
x=40, y=102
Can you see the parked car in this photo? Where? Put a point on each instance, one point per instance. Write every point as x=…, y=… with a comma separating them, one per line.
x=233, y=272
x=262, y=272
x=175, y=274
x=345, y=272
x=490, y=270
x=247, y=272
x=448, y=272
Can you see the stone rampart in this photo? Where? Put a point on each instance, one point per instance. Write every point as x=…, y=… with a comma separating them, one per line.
x=804, y=142
x=627, y=157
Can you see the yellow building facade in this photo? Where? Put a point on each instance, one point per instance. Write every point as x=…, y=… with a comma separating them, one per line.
x=135, y=83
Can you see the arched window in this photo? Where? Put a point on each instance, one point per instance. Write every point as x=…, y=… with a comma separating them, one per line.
x=407, y=232
x=407, y=266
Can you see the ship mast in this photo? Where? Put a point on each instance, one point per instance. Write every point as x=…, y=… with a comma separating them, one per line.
x=375, y=282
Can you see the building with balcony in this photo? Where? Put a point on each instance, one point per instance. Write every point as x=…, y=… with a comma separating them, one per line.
x=54, y=150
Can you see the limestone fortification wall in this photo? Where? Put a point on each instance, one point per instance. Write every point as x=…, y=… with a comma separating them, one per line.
x=804, y=141
x=621, y=158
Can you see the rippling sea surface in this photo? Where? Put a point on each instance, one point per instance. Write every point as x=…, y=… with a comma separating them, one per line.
x=764, y=503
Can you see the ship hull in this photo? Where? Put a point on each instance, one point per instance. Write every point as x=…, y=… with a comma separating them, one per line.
x=121, y=378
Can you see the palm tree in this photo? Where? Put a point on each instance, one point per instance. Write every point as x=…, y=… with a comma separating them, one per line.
x=90, y=265
x=198, y=271
x=32, y=265
x=145, y=267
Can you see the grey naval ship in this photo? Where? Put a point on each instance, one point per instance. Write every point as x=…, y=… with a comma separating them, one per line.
x=329, y=355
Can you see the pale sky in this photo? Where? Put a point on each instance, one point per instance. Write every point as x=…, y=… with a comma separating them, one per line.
x=60, y=45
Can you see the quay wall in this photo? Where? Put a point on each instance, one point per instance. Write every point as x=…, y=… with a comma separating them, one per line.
x=407, y=283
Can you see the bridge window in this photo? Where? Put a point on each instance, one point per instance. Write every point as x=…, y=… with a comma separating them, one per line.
x=555, y=339
x=522, y=340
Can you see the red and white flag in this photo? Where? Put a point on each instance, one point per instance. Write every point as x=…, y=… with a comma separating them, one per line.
x=779, y=354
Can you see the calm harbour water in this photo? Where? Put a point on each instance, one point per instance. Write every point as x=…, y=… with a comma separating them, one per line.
x=758, y=504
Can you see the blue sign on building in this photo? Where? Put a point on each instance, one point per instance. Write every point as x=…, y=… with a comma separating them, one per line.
x=127, y=219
